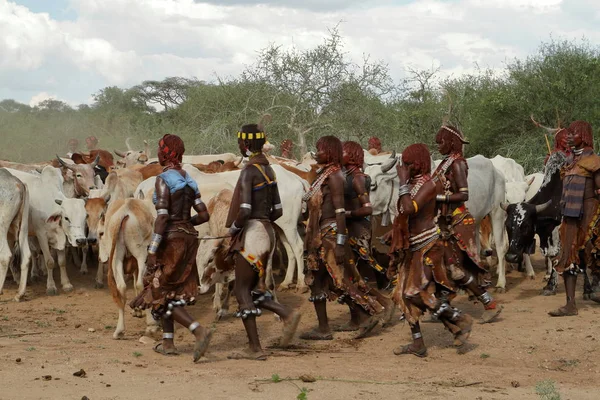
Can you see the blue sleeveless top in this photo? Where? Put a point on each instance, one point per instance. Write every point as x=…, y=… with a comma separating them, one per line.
x=175, y=181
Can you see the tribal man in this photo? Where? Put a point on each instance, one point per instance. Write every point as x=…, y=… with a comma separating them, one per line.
x=579, y=209
x=457, y=223
x=72, y=145
x=254, y=208
x=423, y=282
x=326, y=247
x=171, y=281
x=358, y=212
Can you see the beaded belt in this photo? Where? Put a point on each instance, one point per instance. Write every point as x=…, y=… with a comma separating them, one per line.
x=424, y=238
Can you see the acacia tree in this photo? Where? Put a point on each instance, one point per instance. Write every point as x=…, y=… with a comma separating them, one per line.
x=170, y=93
x=308, y=79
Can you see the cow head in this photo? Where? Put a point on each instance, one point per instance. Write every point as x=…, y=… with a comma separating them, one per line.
x=95, y=209
x=132, y=157
x=210, y=260
x=83, y=176
x=520, y=226
x=73, y=222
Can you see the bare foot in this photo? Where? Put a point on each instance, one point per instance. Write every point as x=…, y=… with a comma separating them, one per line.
x=248, y=354
x=203, y=337
x=419, y=351
x=315, y=334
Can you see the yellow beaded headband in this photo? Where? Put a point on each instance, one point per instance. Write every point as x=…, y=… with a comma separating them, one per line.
x=250, y=136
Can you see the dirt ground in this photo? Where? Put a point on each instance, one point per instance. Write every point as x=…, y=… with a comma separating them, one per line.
x=523, y=352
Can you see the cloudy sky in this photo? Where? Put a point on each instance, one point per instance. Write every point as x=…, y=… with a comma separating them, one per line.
x=69, y=49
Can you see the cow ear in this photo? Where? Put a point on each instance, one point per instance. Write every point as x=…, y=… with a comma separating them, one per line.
x=58, y=201
x=54, y=218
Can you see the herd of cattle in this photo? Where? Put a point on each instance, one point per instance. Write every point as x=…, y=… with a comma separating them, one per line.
x=88, y=204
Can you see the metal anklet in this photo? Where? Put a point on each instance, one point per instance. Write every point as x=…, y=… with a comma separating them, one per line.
x=417, y=335
x=168, y=335
x=193, y=326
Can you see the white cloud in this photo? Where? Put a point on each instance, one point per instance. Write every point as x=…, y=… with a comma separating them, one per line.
x=122, y=42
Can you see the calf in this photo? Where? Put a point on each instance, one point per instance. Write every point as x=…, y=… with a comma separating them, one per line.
x=125, y=232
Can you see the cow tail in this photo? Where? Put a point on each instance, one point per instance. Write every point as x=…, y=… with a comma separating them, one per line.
x=112, y=284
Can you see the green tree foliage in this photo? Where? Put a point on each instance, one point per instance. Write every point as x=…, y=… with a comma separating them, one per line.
x=320, y=91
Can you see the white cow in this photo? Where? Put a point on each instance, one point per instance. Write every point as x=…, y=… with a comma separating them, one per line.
x=14, y=228
x=53, y=219
x=205, y=158
x=125, y=233
x=133, y=157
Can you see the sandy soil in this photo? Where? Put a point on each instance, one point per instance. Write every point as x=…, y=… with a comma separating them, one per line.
x=508, y=358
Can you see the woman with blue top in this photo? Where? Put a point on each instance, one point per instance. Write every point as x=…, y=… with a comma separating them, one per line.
x=171, y=280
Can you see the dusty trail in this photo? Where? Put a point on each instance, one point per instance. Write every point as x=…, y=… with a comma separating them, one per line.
x=508, y=359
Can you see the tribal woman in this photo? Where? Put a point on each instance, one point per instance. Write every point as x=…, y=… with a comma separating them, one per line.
x=418, y=255
x=579, y=210
x=457, y=223
x=171, y=281
x=326, y=246
x=358, y=212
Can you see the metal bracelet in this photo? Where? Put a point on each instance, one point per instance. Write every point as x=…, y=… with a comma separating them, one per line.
x=154, y=243
x=367, y=205
x=246, y=205
x=198, y=201
x=442, y=198
x=340, y=210
x=162, y=211
x=340, y=239
x=278, y=206
x=168, y=335
x=402, y=190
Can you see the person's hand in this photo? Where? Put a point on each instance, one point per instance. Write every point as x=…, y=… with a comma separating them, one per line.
x=404, y=173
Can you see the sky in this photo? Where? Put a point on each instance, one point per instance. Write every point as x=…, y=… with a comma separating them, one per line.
x=70, y=49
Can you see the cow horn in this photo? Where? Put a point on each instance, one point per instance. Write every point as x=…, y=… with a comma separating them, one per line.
x=64, y=164
x=96, y=161
x=313, y=155
x=127, y=144
x=393, y=155
x=58, y=201
x=120, y=153
x=549, y=130
x=146, y=148
x=504, y=205
x=541, y=207
x=530, y=181
x=388, y=164
x=239, y=162
x=106, y=198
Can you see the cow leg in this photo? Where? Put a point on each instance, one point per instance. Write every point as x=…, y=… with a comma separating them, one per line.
x=5, y=256
x=84, y=269
x=217, y=300
x=119, y=289
x=298, y=248
x=74, y=251
x=64, y=278
x=498, y=216
x=528, y=266
x=99, y=276
x=151, y=323
x=49, y=260
x=270, y=281
x=138, y=278
x=549, y=268
x=289, y=273
x=552, y=285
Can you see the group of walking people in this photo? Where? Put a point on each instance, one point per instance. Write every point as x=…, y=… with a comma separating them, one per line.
x=433, y=250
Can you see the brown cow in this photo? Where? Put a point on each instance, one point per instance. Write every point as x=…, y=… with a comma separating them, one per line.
x=218, y=166
x=95, y=209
